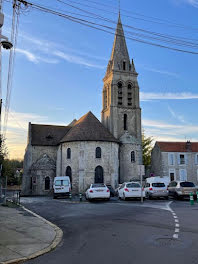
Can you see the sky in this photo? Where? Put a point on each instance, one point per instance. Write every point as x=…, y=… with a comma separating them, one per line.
x=60, y=64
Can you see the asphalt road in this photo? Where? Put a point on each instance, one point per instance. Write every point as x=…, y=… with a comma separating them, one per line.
x=123, y=232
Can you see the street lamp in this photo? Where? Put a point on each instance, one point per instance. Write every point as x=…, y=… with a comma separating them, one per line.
x=5, y=42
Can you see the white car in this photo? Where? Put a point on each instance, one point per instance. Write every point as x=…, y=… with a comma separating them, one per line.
x=156, y=189
x=131, y=190
x=97, y=191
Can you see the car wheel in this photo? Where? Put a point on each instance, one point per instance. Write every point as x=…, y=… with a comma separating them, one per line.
x=166, y=197
x=150, y=197
x=54, y=196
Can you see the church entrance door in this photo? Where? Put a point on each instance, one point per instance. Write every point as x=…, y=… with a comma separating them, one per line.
x=99, y=178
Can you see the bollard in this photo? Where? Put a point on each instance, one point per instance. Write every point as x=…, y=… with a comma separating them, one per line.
x=191, y=199
x=70, y=196
x=197, y=196
x=80, y=197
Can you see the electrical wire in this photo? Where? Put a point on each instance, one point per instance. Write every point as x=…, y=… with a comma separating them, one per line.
x=14, y=34
x=144, y=17
x=102, y=27
x=158, y=36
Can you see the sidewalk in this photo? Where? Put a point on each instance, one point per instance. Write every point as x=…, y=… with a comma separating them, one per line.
x=24, y=235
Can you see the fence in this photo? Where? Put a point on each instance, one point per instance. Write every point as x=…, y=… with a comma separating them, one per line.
x=9, y=195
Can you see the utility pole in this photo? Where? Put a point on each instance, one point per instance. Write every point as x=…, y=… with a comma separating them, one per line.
x=7, y=45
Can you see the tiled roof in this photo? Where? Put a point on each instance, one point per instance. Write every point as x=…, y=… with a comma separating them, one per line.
x=88, y=128
x=178, y=146
x=47, y=135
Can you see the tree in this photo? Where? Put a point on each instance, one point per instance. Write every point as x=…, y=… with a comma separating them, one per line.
x=146, y=149
x=3, y=155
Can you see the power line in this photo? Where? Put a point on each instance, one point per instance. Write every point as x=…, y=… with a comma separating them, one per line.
x=101, y=27
x=174, y=39
x=12, y=114
x=145, y=18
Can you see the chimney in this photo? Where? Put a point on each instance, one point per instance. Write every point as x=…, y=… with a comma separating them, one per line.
x=188, y=146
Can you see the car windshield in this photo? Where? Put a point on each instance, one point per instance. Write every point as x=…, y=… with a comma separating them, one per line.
x=133, y=185
x=61, y=183
x=98, y=185
x=158, y=184
x=187, y=184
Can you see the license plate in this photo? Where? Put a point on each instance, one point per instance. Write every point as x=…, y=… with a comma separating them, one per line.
x=99, y=190
x=58, y=189
x=134, y=190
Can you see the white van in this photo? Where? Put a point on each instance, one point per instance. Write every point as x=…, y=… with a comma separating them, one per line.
x=61, y=186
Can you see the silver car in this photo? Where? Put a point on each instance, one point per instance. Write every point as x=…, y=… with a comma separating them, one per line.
x=156, y=189
x=181, y=189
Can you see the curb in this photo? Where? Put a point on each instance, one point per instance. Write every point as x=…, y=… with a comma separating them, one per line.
x=53, y=245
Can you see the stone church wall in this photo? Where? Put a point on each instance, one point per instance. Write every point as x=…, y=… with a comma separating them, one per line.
x=83, y=163
x=32, y=155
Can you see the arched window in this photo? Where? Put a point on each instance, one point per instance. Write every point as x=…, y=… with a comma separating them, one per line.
x=98, y=153
x=68, y=172
x=132, y=156
x=119, y=93
x=129, y=94
x=68, y=153
x=125, y=121
x=99, y=178
x=47, y=183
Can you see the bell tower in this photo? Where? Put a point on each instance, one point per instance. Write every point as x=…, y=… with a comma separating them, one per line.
x=121, y=112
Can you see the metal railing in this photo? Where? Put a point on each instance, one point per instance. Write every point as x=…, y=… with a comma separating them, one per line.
x=9, y=195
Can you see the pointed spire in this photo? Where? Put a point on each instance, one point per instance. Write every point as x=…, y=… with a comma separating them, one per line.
x=119, y=52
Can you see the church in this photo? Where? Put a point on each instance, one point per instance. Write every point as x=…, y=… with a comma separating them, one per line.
x=87, y=150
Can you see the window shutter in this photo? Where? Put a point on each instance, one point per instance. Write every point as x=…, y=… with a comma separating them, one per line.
x=178, y=158
x=186, y=158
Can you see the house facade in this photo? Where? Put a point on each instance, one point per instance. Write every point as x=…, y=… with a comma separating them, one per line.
x=178, y=160
x=87, y=150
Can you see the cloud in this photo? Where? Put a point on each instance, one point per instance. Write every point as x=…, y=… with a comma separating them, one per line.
x=193, y=3
x=35, y=58
x=167, y=96
x=76, y=59
x=160, y=130
x=176, y=116
x=147, y=68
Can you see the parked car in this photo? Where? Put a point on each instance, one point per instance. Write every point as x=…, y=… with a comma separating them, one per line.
x=156, y=189
x=97, y=191
x=61, y=186
x=111, y=189
x=181, y=189
x=131, y=190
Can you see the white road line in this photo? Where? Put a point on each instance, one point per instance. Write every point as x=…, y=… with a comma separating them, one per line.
x=176, y=230
x=176, y=220
x=175, y=216
x=176, y=236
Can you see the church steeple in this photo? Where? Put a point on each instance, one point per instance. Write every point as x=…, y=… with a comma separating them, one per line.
x=119, y=60
x=119, y=50
x=121, y=112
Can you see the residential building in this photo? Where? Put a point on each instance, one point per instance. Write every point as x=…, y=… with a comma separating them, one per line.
x=178, y=160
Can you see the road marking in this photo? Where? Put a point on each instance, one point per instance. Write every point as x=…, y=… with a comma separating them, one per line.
x=176, y=236
x=176, y=233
